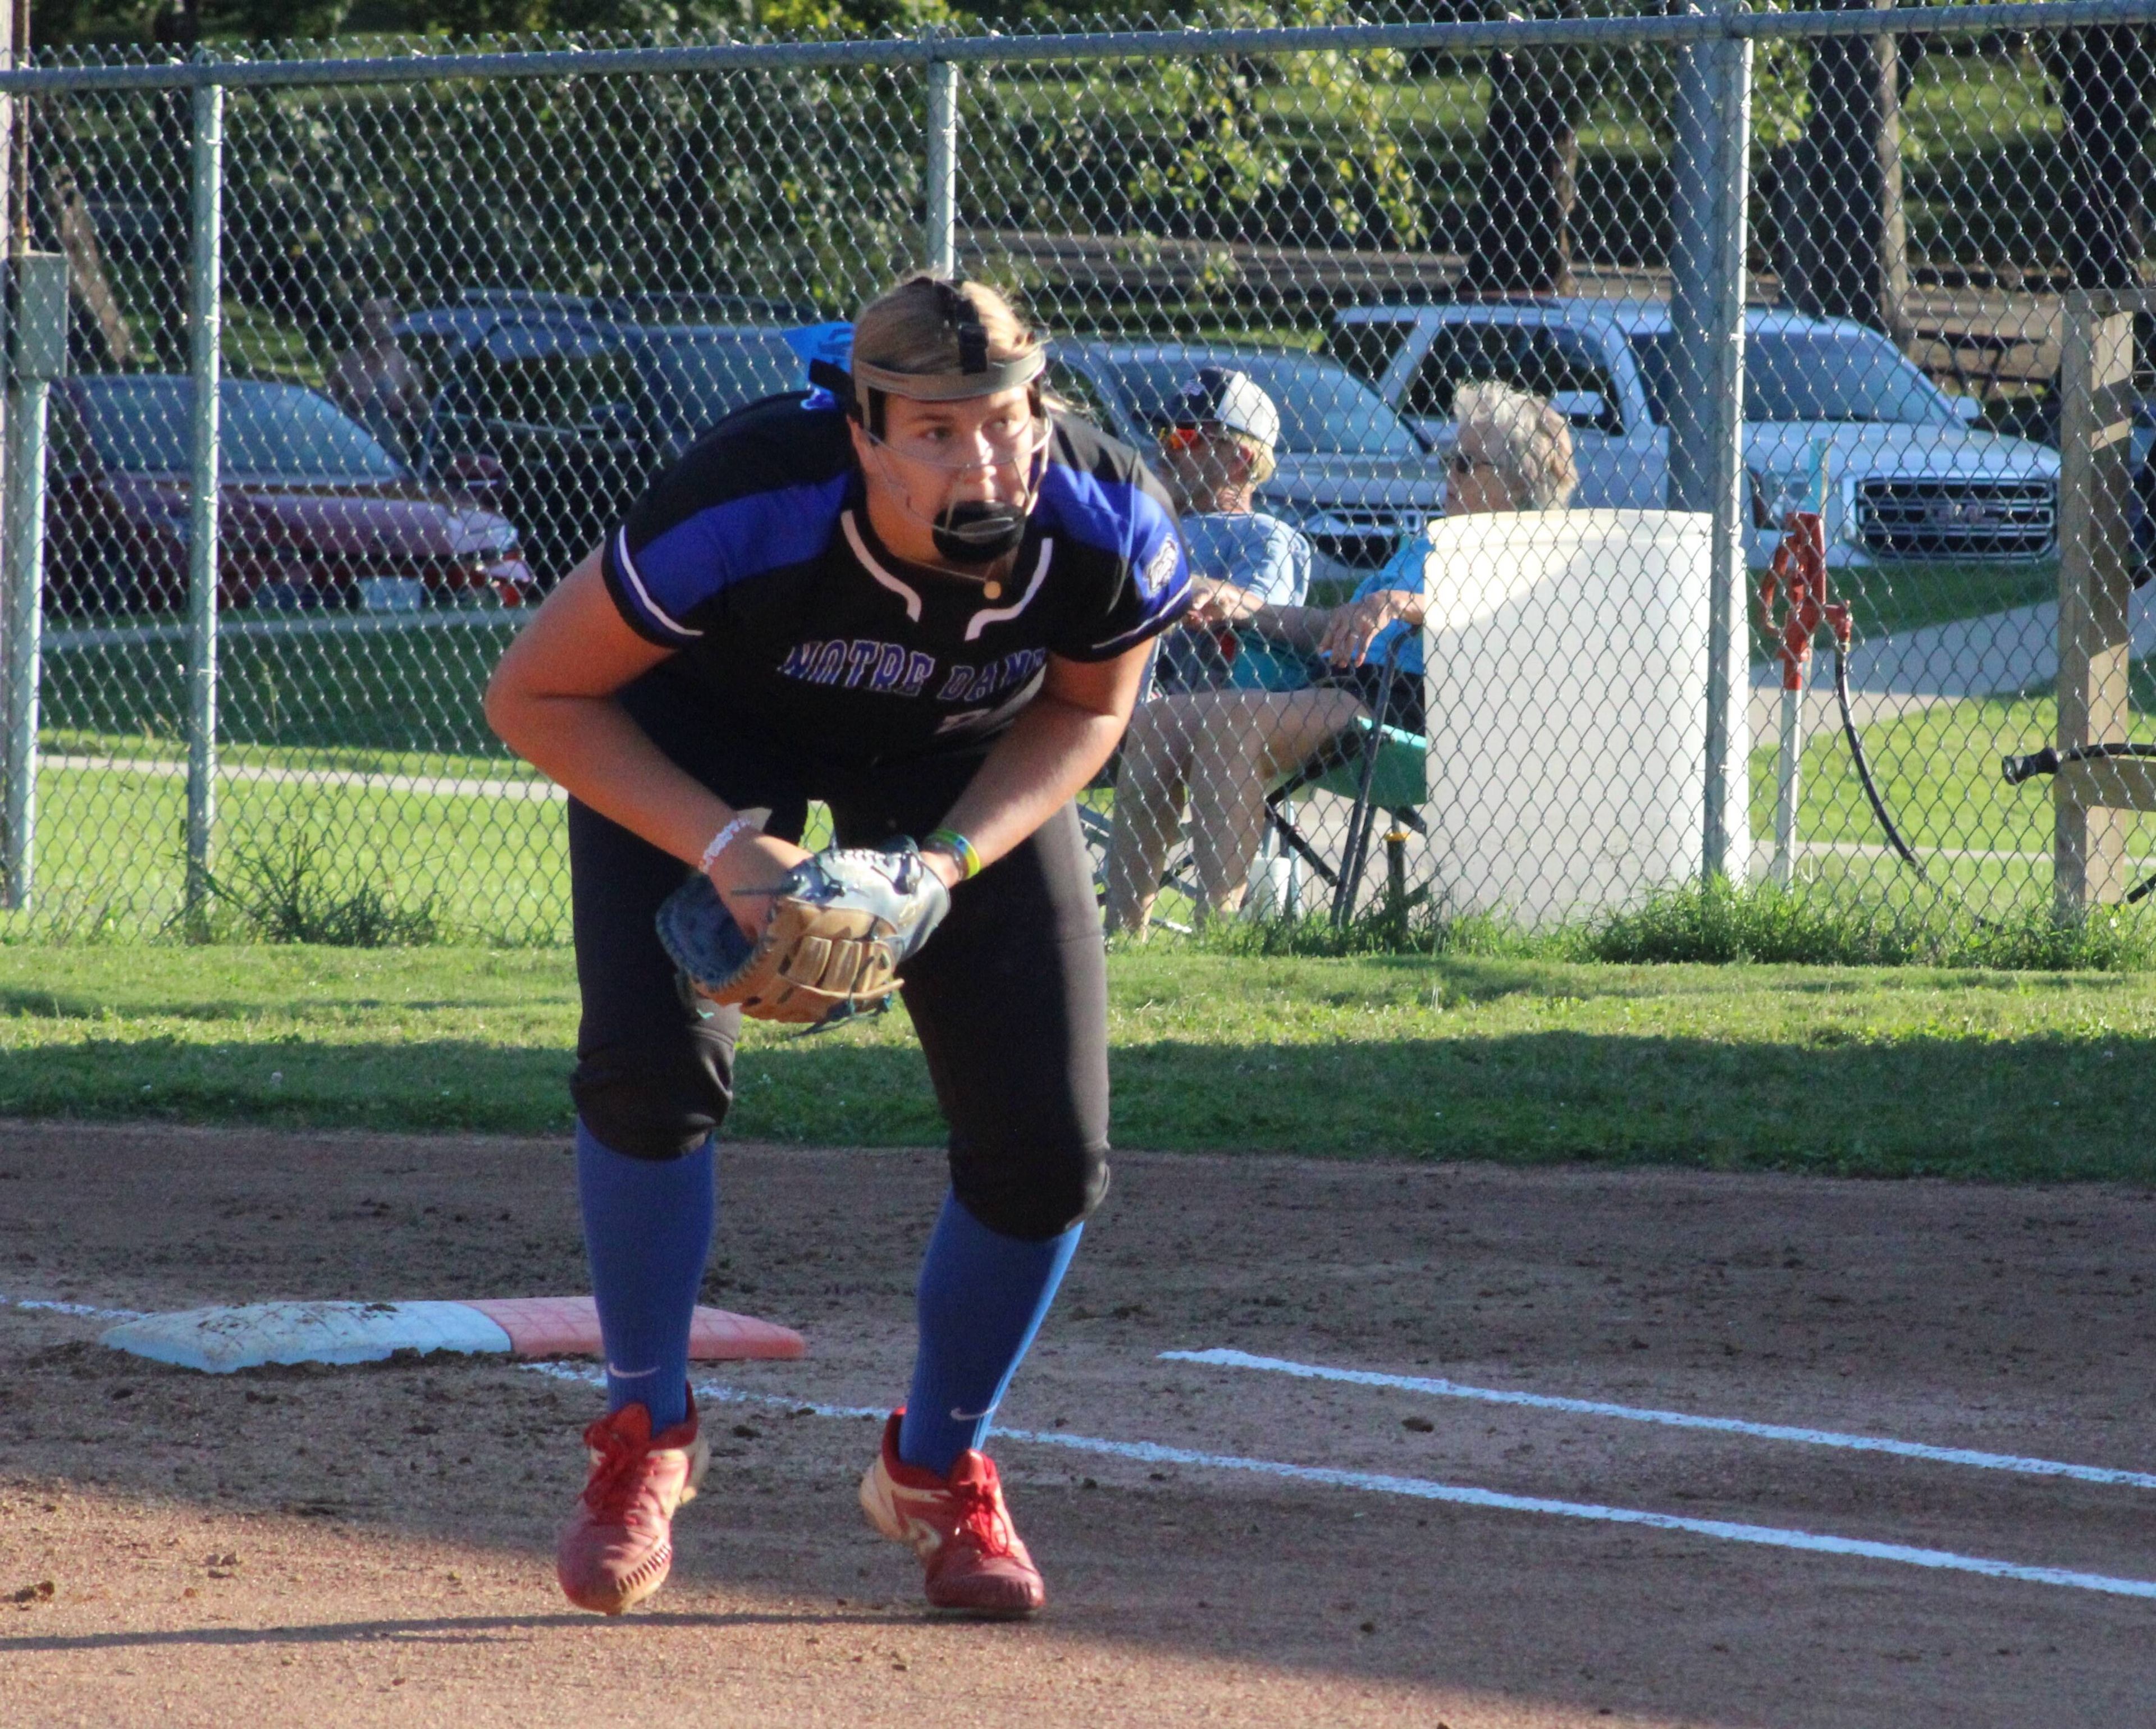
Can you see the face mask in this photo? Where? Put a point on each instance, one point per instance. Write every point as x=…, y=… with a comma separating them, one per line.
x=978, y=531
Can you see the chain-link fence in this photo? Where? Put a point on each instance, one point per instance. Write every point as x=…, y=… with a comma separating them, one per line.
x=1569, y=324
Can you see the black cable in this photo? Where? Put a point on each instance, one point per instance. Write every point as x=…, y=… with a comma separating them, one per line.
x=1864, y=767
x=2051, y=760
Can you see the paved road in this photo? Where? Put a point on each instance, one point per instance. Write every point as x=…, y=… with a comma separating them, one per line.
x=445, y=786
x=2010, y=651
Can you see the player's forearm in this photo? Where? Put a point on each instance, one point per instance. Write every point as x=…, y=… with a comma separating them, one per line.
x=1298, y=626
x=1052, y=750
x=590, y=747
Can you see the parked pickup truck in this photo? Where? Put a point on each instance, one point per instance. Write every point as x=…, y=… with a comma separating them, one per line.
x=1906, y=475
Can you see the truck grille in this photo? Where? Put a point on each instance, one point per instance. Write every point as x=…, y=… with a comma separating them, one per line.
x=1957, y=519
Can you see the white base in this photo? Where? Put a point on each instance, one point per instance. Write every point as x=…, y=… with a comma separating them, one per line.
x=219, y=1341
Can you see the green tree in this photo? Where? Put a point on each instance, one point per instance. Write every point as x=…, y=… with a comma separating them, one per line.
x=1229, y=162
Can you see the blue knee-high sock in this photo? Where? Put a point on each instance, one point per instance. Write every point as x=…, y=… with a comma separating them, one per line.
x=647, y=1231
x=981, y=1298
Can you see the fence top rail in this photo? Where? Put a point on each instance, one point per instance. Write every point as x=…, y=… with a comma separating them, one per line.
x=1662, y=29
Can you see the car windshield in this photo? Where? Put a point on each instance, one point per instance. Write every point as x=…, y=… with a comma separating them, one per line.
x=278, y=431
x=1804, y=375
x=696, y=378
x=1324, y=412
x=558, y=389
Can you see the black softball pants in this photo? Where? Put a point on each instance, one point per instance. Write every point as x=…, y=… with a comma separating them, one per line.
x=1009, y=997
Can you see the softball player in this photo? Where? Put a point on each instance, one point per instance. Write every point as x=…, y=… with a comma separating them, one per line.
x=924, y=597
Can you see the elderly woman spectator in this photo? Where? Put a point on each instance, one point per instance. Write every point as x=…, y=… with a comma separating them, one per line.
x=1512, y=452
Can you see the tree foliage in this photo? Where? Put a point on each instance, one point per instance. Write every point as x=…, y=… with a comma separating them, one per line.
x=1228, y=161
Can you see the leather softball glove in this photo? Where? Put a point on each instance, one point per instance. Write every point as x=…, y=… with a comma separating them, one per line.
x=841, y=924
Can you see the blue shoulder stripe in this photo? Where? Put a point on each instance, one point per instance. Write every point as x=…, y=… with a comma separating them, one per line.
x=1115, y=517
x=1125, y=519
x=710, y=551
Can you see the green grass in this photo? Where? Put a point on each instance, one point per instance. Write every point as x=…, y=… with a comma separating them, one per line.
x=1875, y=1072
x=111, y=848
x=406, y=694
x=1939, y=770
x=1889, y=598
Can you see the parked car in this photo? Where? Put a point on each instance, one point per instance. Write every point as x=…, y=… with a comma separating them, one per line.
x=662, y=305
x=313, y=511
x=578, y=415
x=1908, y=476
x=1352, y=474
x=689, y=377
x=548, y=400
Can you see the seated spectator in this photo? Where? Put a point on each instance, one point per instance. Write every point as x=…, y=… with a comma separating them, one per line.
x=1215, y=451
x=377, y=384
x=1513, y=452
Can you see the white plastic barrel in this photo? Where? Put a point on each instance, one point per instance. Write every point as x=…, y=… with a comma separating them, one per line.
x=1567, y=690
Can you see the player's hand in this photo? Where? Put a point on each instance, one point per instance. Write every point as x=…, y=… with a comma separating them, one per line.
x=1352, y=627
x=1214, y=602
x=744, y=873
x=943, y=867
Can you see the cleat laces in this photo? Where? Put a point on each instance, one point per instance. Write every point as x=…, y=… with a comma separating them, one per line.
x=981, y=1520
x=616, y=1486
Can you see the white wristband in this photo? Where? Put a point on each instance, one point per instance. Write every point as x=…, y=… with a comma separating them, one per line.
x=721, y=841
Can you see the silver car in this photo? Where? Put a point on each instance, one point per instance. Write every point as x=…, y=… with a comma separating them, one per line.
x=1906, y=475
x=1353, y=476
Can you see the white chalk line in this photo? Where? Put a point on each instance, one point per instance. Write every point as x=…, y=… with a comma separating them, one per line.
x=1377, y=1483
x=1424, y=1489
x=50, y=1307
x=1675, y=1419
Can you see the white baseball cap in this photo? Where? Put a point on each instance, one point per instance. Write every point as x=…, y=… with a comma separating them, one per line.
x=1219, y=397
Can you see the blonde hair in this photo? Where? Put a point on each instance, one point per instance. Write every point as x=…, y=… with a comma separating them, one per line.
x=1528, y=441
x=1264, y=464
x=904, y=329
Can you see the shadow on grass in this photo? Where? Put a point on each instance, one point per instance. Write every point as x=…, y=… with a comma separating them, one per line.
x=1924, y=1103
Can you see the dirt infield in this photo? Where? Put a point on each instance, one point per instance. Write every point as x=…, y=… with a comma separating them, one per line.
x=372, y=1545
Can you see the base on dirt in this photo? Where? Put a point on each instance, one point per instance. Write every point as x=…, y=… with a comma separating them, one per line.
x=219, y=1341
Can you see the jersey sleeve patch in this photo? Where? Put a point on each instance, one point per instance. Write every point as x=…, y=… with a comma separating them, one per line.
x=1131, y=521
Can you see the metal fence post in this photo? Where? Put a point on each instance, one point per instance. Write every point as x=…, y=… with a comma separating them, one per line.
x=943, y=231
x=40, y=356
x=205, y=287
x=1726, y=841
x=1710, y=159
x=1694, y=209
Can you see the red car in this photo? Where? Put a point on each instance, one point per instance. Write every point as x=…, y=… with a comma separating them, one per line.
x=315, y=512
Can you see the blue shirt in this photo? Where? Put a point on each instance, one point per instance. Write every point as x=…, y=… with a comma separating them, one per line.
x=1406, y=570
x=1256, y=551
x=1253, y=551
x=754, y=559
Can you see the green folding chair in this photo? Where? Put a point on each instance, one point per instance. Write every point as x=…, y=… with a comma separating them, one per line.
x=1379, y=768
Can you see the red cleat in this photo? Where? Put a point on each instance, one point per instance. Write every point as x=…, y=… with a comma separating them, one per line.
x=959, y=1526
x=619, y=1547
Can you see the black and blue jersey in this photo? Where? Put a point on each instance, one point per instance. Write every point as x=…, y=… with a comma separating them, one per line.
x=753, y=557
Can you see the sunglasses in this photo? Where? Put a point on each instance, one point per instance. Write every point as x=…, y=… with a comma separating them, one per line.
x=1182, y=438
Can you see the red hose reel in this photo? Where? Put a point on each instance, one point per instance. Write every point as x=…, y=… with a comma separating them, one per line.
x=1794, y=597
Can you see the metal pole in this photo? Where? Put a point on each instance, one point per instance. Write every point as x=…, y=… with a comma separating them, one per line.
x=942, y=232
x=1726, y=840
x=1694, y=207
x=26, y=552
x=1789, y=767
x=204, y=286
x=40, y=356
